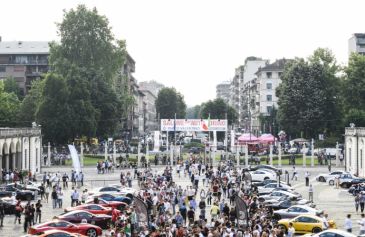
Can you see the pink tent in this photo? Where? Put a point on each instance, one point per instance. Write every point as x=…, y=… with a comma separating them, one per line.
x=246, y=137
x=266, y=138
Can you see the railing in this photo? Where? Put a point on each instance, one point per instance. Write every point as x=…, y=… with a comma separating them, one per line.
x=12, y=132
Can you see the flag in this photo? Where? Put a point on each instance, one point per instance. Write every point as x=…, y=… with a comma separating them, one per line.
x=206, y=126
x=241, y=212
x=141, y=211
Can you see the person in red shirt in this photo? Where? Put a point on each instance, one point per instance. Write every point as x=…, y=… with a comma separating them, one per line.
x=115, y=214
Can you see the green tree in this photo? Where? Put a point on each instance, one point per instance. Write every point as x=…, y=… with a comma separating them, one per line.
x=9, y=107
x=90, y=59
x=170, y=102
x=307, y=96
x=54, y=111
x=218, y=109
x=30, y=104
x=11, y=86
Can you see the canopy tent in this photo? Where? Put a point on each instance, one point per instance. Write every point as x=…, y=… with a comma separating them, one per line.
x=247, y=137
x=266, y=138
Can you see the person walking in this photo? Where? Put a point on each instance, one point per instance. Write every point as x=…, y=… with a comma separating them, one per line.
x=54, y=198
x=18, y=212
x=2, y=213
x=46, y=193
x=348, y=223
x=307, y=174
x=291, y=230
x=295, y=176
x=362, y=202
x=362, y=224
x=357, y=202
x=310, y=190
x=38, y=212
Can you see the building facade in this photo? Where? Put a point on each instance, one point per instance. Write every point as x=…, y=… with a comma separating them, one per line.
x=25, y=61
x=21, y=149
x=357, y=43
x=223, y=91
x=355, y=150
x=153, y=86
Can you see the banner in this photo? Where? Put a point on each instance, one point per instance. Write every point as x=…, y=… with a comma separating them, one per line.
x=232, y=139
x=156, y=141
x=194, y=125
x=75, y=158
x=141, y=211
x=241, y=212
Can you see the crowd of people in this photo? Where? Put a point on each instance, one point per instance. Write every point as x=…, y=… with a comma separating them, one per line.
x=204, y=207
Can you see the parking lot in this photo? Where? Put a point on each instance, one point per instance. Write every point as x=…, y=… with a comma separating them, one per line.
x=336, y=202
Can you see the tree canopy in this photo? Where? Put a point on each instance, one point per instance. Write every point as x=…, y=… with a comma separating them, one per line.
x=170, y=102
x=9, y=107
x=307, y=96
x=218, y=109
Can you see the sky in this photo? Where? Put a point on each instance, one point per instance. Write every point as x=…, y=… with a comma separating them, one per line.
x=193, y=45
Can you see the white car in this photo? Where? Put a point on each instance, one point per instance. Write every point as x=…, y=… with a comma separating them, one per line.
x=323, y=177
x=268, y=188
x=107, y=189
x=332, y=233
x=261, y=175
x=279, y=194
x=295, y=211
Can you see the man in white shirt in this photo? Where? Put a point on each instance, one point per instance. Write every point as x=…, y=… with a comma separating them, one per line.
x=291, y=230
x=325, y=224
x=348, y=223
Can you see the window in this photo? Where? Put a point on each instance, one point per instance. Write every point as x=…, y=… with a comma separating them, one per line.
x=279, y=74
x=269, y=86
x=305, y=219
x=269, y=109
x=2, y=68
x=268, y=74
x=269, y=97
x=329, y=234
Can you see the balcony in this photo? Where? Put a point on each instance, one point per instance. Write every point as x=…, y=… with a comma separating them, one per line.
x=27, y=62
x=19, y=132
x=33, y=74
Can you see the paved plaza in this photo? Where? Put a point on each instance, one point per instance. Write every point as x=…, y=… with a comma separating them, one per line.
x=336, y=202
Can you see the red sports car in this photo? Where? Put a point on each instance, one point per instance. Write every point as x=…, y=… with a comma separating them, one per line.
x=121, y=206
x=83, y=229
x=79, y=216
x=92, y=208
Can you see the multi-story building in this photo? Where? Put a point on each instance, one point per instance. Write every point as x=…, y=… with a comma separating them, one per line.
x=153, y=86
x=357, y=43
x=234, y=97
x=247, y=90
x=268, y=79
x=24, y=61
x=150, y=117
x=223, y=91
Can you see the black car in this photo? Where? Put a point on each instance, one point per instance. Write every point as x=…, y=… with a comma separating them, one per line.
x=8, y=206
x=5, y=193
x=356, y=189
x=348, y=184
x=24, y=195
x=23, y=187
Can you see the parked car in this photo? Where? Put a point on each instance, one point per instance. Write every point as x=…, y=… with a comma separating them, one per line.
x=9, y=206
x=195, y=150
x=305, y=224
x=332, y=233
x=24, y=195
x=56, y=233
x=113, y=197
x=323, y=177
x=76, y=217
x=278, y=194
x=267, y=167
x=268, y=188
x=107, y=189
x=92, y=208
x=220, y=146
x=121, y=206
x=83, y=229
x=284, y=203
x=260, y=175
x=349, y=183
x=295, y=211
x=264, y=182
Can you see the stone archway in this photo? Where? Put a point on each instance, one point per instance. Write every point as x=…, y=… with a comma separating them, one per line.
x=5, y=156
x=18, y=156
x=12, y=156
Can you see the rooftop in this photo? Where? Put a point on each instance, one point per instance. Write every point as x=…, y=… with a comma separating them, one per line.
x=275, y=66
x=24, y=47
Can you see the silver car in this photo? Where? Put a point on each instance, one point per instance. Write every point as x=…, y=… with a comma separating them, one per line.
x=295, y=211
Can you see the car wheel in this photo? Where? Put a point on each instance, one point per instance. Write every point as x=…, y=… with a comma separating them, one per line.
x=91, y=233
x=316, y=230
x=345, y=185
x=321, y=179
x=266, y=178
x=283, y=227
x=331, y=182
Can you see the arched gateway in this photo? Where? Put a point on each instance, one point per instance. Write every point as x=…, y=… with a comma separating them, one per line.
x=20, y=149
